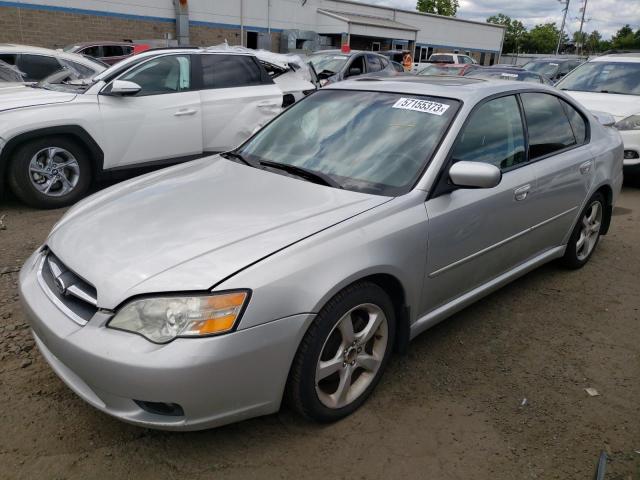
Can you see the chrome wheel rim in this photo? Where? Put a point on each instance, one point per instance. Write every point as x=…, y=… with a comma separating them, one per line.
x=351, y=355
x=54, y=171
x=590, y=231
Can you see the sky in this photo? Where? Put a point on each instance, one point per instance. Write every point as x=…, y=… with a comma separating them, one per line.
x=606, y=16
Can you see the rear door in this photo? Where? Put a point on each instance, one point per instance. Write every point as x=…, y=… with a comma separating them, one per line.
x=162, y=122
x=558, y=146
x=237, y=98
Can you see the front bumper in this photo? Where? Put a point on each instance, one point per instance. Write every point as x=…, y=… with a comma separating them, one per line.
x=631, y=139
x=216, y=380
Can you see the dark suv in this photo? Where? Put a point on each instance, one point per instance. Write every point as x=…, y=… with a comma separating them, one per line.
x=108, y=52
x=553, y=68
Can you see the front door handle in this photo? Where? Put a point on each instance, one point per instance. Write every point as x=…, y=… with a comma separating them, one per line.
x=184, y=112
x=522, y=192
x=586, y=167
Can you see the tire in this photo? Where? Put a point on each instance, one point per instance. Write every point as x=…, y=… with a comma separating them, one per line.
x=368, y=309
x=586, y=233
x=50, y=172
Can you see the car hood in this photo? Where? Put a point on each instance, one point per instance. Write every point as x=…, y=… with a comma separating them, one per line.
x=13, y=96
x=186, y=228
x=620, y=106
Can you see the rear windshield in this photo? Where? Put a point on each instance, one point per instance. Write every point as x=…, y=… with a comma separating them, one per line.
x=371, y=142
x=548, y=68
x=604, y=77
x=505, y=75
x=441, y=58
x=441, y=70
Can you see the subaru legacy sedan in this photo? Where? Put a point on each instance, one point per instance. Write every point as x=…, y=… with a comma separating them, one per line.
x=294, y=265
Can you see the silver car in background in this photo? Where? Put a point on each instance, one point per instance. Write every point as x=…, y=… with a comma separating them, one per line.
x=294, y=265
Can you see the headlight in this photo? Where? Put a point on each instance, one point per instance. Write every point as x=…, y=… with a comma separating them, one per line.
x=630, y=123
x=162, y=319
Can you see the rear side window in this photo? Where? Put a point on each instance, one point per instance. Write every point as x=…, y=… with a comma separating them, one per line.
x=92, y=51
x=8, y=58
x=228, y=71
x=112, y=51
x=578, y=123
x=37, y=67
x=547, y=123
x=493, y=134
x=373, y=63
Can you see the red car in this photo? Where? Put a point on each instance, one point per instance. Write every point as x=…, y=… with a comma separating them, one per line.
x=108, y=52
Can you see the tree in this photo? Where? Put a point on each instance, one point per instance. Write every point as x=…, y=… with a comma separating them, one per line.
x=515, y=33
x=543, y=38
x=625, y=39
x=448, y=8
x=593, y=41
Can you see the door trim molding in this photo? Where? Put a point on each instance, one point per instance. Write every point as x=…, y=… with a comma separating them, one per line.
x=499, y=244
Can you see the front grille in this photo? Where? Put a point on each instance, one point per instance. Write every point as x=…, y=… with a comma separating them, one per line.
x=72, y=294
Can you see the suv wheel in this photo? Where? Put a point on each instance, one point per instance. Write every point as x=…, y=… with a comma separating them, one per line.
x=50, y=172
x=343, y=354
x=586, y=233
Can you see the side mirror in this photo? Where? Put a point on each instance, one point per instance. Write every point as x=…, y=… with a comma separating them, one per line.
x=475, y=175
x=354, y=71
x=123, y=87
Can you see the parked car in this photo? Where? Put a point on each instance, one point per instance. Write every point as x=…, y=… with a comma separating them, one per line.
x=445, y=69
x=508, y=73
x=397, y=67
x=443, y=58
x=611, y=84
x=334, y=65
x=35, y=63
x=108, y=52
x=10, y=73
x=553, y=68
x=292, y=266
x=156, y=108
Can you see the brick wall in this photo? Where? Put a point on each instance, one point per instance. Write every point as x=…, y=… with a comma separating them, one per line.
x=55, y=29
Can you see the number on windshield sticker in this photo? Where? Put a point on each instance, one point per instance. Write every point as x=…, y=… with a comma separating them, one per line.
x=424, y=106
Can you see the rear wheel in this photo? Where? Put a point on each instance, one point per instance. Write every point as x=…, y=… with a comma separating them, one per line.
x=50, y=172
x=343, y=354
x=586, y=233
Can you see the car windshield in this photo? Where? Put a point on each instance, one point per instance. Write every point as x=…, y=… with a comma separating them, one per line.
x=371, y=142
x=548, y=68
x=440, y=70
x=67, y=79
x=492, y=73
x=328, y=62
x=605, y=77
x=10, y=73
x=70, y=48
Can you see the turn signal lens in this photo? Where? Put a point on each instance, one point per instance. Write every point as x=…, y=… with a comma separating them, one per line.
x=162, y=319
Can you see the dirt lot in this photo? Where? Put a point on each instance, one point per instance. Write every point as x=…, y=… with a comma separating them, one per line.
x=453, y=408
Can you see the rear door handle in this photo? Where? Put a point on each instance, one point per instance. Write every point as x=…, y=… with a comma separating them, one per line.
x=586, y=167
x=184, y=112
x=522, y=192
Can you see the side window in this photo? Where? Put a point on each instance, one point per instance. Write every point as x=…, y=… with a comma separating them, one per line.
x=547, y=123
x=373, y=64
x=8, y=58
x=384, y=62
x=85, y=72
x=578, y=123
x=92, y=51
x=112, y=51
x=466, y=60
x=358, y=63
x=127, y=50
x=228, y=71
x=168, y=74
x=493, y=134
x=37, y=67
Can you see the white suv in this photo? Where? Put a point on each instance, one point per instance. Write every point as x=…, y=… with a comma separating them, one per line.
x=611, y=84
x=156, y=108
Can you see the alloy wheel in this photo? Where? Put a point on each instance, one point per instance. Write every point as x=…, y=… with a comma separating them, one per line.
x=590, y=231
x=54, y=171
x=351, y=355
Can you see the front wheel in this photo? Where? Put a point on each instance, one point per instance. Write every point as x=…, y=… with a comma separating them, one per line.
x=50, y=172
x=343, y=354
x=586, y=233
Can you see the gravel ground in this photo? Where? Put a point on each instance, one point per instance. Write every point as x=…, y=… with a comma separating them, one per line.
x=497, y=391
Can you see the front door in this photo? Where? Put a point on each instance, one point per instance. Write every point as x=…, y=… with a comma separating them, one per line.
x=477, y=234
x=163, y=121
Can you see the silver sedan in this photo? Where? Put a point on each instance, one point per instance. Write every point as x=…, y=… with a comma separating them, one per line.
x=292, y=267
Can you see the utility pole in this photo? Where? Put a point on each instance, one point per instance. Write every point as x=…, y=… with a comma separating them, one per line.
x=584, y=9
x=564, y=19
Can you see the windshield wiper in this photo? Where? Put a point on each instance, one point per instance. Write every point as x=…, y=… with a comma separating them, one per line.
x=310, y=175
x=238, y=156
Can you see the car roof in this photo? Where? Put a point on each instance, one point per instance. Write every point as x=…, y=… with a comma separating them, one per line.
x=618, y=57
x=461, y=88
x=337, y=51
x=99, y=43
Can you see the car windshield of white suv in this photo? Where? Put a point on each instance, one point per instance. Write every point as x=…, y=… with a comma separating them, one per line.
x=604, y=77
x=328, y=62
x=371, y=142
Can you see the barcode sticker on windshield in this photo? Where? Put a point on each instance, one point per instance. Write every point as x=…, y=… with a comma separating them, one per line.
x=424, y=106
